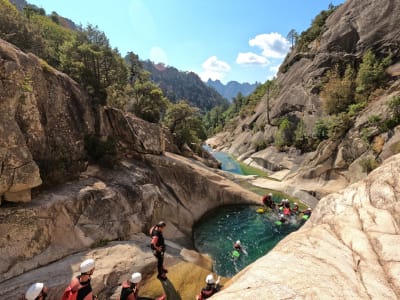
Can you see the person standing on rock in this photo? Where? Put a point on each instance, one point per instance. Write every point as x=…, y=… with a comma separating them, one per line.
x=130, y=288
x=158, y=247
x=81, y=284
x=37, y=291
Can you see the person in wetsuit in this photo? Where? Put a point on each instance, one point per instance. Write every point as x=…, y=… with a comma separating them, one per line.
x=158, y=247
x=211, y=288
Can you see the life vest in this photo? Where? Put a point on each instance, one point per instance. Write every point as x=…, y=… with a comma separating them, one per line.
x=126, y=291
x=160, y=240
x=77, y=291
x=286, y=211
x=207, y=292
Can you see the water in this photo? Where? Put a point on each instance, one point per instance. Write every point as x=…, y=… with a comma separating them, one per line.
x=218, y=230
x=227, y=162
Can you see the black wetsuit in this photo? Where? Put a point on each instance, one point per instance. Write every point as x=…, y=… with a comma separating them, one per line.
x=159, y=254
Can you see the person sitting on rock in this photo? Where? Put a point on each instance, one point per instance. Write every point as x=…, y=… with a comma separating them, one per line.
x=211, y=288
x=37, y=291
x=130, y=288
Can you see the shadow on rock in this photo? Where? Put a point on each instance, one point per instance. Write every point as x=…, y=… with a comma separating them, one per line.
x=170, y=291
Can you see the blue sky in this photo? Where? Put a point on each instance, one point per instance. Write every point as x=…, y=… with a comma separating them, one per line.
x=218, y=39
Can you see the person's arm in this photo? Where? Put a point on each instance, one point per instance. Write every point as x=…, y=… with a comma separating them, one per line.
x=154, y=241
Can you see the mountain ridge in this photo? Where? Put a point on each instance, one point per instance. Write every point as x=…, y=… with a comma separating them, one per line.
x=179, y=85
x=232, y=88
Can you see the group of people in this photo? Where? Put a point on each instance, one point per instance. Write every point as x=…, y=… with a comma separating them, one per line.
x=80, y=287
x=285, y=209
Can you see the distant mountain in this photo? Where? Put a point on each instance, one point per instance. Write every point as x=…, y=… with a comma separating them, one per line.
x=177, y=85
x=232, y=88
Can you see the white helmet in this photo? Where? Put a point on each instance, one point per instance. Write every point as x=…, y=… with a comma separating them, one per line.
x=87, y=265
x=34, y=291
x=282, y=215
x=210, y=279
x=237, y=242
x=270, y=194
x=295, y=203
x=136, y=277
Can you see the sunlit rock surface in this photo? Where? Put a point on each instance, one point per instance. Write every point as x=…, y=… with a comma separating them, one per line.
x=349, y=249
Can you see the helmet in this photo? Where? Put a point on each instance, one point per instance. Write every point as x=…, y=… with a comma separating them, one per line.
x=34, y=291
x=270, y=194
x=161, y=224
x=282, y=215
x=210, y=279
x=238, y=242
x=295, y=203
x=309, y=208
x=87, y=265
x=136, y=277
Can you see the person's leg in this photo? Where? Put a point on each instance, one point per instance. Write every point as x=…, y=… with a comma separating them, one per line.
x=160, y=265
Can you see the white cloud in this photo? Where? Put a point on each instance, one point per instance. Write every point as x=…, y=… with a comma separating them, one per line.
x=214, y=69
x=273, y=45
x=250, y=58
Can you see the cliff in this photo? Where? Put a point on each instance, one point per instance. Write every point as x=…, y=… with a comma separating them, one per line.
x=352, y=29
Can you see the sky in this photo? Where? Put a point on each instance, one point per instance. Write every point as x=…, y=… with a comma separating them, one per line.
x=238, y=40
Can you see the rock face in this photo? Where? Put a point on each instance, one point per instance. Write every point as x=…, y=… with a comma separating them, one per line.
x=109, y=205
x=347, y=250
x=44, y=118
x=351, y=29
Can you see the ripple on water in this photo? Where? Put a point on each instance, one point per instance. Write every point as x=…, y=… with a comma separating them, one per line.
x=219, y=229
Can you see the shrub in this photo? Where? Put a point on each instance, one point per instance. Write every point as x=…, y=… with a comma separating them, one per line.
x=368, y=164
x=283, y=135
x=321, y=130
x=338, y=125
x=371, y=73
x=338, y=93
x=260, y=145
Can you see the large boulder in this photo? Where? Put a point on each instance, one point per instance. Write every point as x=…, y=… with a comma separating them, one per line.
x=44, y=118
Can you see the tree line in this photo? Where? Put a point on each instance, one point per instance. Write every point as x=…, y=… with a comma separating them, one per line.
x=85, y=54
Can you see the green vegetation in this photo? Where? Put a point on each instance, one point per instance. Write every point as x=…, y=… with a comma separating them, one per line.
x=338, y=93
x=249, y=170
x=86, y=55
x=226, y=117
x=371, y=73
x=283, y=136
x=185, y=122
x=315, y=31
x=368, y=164
x=177, y=85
